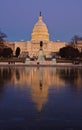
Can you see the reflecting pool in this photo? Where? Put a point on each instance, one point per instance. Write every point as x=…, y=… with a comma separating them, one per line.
x=40, y=98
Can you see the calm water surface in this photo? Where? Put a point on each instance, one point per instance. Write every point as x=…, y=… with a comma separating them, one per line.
x=33, y=98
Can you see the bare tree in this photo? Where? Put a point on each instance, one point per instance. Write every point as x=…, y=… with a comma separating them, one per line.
x=76, y=38
x=2, y=36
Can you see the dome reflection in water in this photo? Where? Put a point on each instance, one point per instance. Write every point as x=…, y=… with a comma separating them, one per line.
x=40, y=97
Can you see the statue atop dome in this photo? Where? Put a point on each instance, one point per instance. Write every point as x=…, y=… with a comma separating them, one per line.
x=40, y=13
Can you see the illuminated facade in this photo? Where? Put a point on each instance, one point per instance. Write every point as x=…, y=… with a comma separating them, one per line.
x=39, y=33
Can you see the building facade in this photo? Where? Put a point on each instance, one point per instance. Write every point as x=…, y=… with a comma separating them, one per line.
x=39, y=33
x=78, y=45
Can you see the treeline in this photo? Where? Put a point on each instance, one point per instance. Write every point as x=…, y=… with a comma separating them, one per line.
x=69, y=52
x=4, y=50
x=7, y=52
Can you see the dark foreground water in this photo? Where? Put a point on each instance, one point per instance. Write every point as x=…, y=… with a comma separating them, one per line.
x=44, y=98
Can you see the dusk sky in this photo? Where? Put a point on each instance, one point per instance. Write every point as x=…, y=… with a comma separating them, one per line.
x=62, y=17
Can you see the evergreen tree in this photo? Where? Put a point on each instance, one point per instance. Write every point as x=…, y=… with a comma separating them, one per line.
x=69, y=52
x=7, y=52
x=17, y=51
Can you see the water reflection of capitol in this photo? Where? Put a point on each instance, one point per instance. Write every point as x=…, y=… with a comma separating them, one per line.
x=41, y=80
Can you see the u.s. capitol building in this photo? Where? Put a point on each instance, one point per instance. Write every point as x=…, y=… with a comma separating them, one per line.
x=39, y=33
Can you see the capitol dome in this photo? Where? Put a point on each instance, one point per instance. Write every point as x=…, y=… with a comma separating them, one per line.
x=40, y=32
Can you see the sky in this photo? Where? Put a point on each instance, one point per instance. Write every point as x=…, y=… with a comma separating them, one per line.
x=62, y=17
